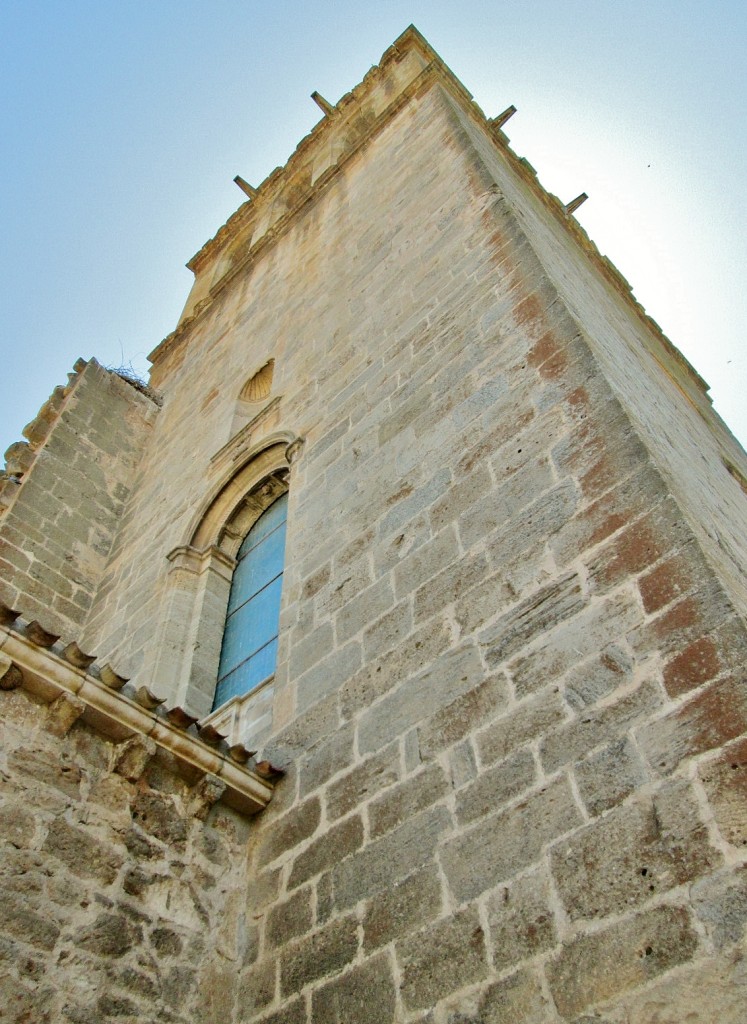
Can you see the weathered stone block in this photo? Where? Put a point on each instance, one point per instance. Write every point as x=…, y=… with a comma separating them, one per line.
x=306, y=728
x=27, y=923
x=362, y=609
x=63, y=713
x=725, y=782
x=606, y=778
x=425, y=562
x=615, y=510
x=638, y=850
x=411, y=504
x=469, y=489
x=533, y=525
x=109, y=935
x=489, y=597
x=82, y=852
x=324, y=952
x=516, y=491
x=692, y=667
x=600, y=675
x=257, y=987
x=573, y=741
x=582, y=636
x=496, y=786
x=639, y=546
x=606, y=450
x=714, y=716
x=392, y=857
x=713, y=989
x=347, y=580
x=265, y=888
x=414, y=794
x=293, y=828
x=329, y=849
x=685, y=620
x=508, y=842
x=517, y=998
x=286, y=921
x=159, y=815
x=327, y=759
x=388, y=553
x=307, y=652
x=389, y=631
x=667, y=581
x=451, y=584
x=59, y=773
x=444, y=679
x=328, y=675
x=365, y=994
x=363, y=781
x=625, y=955
x=110, y=1005
x=520, y=920
x=720, y=902
x=403, y=908
x=130, y=759
x=548, y=607
x=166, y=942
x=17, y=825
x=462, y=764
x=521, y=725
x=406, y=660
x=442, y=958
x=464, y=715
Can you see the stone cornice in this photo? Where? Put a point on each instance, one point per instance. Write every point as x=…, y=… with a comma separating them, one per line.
x=61, y=678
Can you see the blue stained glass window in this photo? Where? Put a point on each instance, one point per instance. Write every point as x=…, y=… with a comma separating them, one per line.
x=250, y=639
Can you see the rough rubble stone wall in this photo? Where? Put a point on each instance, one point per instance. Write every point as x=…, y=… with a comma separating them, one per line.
x=56, y=536
x=119, y=902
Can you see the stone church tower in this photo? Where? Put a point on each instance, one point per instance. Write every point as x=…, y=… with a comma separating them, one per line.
x=425, y=531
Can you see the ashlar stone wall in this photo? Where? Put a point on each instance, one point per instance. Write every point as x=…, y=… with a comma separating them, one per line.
x=510, y=694
x=68, y=485
x=667, y=403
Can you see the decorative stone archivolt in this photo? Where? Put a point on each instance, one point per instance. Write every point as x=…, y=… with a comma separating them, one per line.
x=259, y=464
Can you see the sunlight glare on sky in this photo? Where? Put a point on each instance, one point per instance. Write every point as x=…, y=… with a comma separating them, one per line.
x=124, y=124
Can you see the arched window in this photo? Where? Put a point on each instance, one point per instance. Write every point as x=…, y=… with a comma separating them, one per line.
x=250, y=638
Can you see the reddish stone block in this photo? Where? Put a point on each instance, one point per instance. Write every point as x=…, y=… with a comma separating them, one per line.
x=543, y=349
x=694, y=666
x=684, y=622
x=715, y=716
x=665, y=583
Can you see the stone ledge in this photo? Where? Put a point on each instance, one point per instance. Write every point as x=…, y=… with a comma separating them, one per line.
x=32, y=660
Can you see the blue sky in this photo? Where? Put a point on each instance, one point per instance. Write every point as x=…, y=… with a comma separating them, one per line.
x=124, y=123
